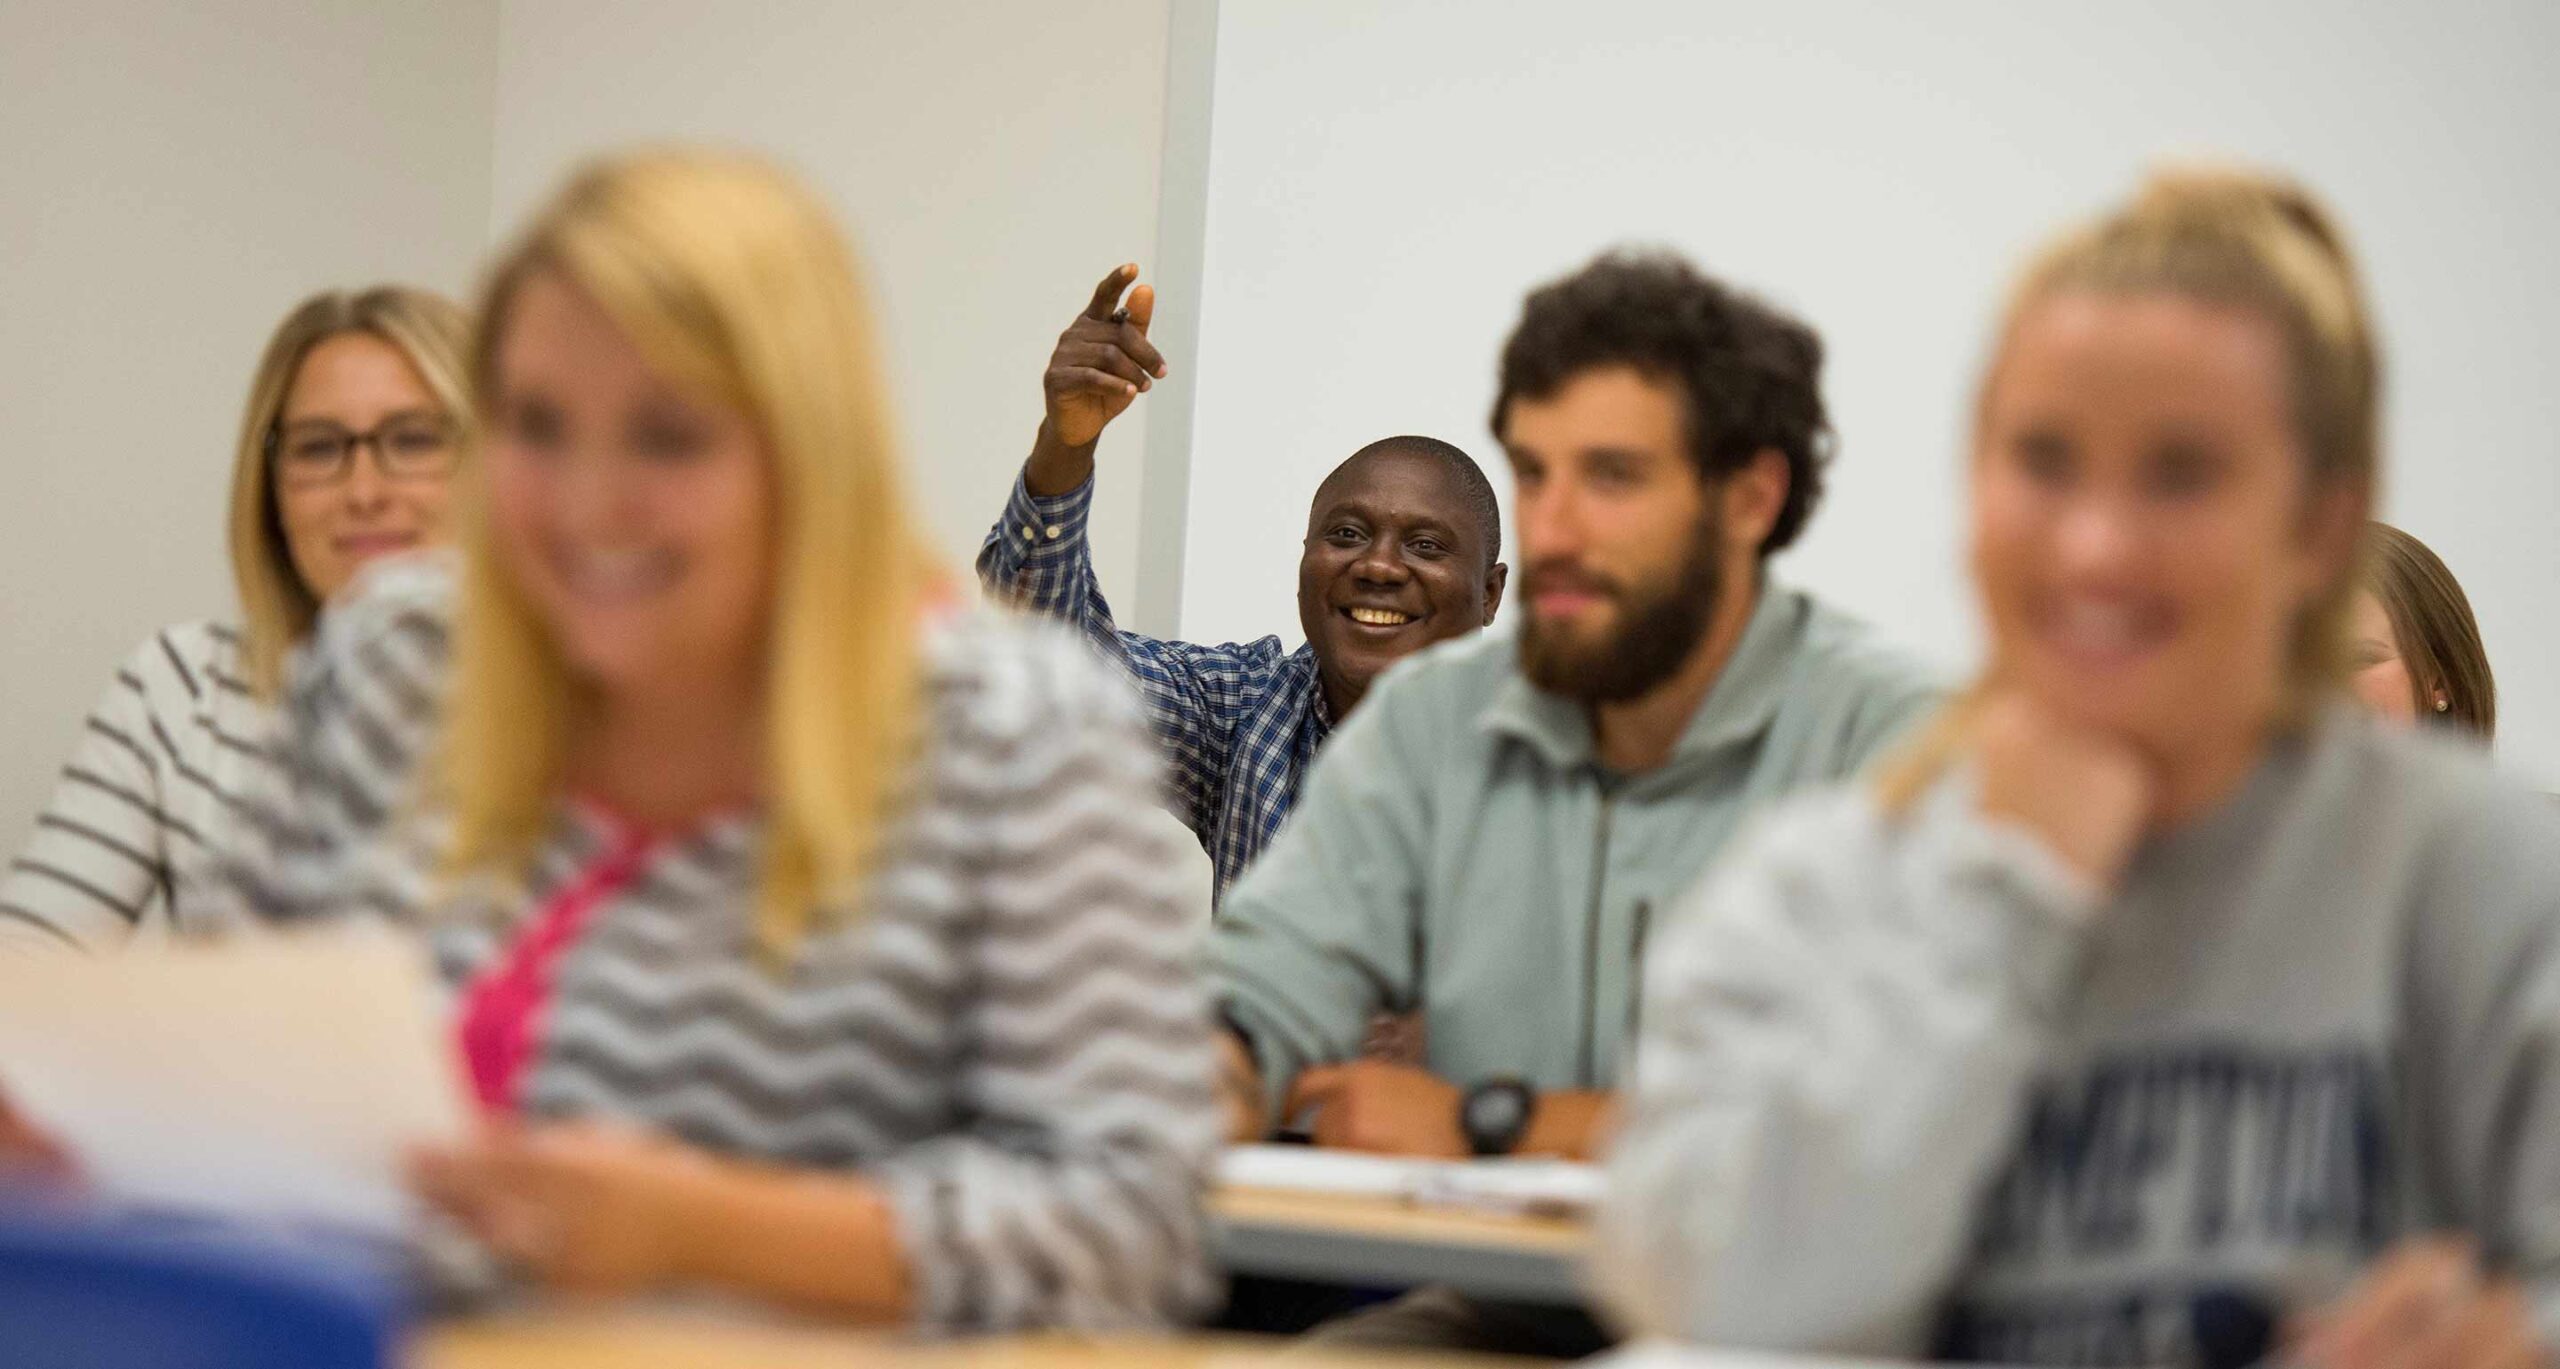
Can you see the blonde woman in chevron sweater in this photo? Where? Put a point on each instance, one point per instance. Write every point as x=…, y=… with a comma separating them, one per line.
x=809, y=940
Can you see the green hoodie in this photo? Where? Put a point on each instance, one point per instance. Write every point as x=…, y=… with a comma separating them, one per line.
x=1459, y=850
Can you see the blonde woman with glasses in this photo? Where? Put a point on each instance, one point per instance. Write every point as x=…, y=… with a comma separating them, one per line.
x=810, y=937
x=344, y=456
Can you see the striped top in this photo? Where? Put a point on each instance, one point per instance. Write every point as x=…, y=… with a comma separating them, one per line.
x=1007, y=1036
x=151, y=794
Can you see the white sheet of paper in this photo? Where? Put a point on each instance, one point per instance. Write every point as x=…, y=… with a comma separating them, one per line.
x=1656, y=1354
x=1307, y=1169
x=1508, y=1185
x=267, y=1076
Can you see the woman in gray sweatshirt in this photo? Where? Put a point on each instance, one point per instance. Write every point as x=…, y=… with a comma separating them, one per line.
x=2156, y=1007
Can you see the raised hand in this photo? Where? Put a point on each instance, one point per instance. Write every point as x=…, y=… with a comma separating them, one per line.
x=1102, y=363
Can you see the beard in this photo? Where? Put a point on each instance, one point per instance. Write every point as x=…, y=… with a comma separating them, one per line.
x=1658, y=624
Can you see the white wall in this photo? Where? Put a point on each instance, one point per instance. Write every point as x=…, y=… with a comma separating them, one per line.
x=1388, y=176
x=178, y=174
x=992, y=159
x=1384, y=178
x=173, y=177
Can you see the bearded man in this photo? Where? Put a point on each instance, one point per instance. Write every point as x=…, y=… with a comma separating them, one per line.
x=1484, y=843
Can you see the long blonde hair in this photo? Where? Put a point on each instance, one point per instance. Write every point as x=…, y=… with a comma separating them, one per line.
x=277, y=607
x=736, y=284
x=2244, y=241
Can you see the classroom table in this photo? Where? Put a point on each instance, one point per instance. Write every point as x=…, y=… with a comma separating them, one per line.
x=1269, y=1232
x=641, y=1340
x=1382, y=1242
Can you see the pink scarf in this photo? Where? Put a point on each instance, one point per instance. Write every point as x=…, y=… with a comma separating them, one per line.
x=503, y=1008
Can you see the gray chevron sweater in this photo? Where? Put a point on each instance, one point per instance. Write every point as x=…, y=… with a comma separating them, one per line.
x=1007, y=1035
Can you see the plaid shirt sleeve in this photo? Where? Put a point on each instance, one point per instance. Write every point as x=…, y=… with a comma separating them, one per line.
x=1037, y=558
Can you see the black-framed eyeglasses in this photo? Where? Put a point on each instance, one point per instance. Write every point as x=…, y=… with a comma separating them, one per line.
x=413, y=445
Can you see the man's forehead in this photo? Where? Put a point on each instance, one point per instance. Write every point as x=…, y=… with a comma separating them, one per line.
x=1608, y=406
x=1412, y=483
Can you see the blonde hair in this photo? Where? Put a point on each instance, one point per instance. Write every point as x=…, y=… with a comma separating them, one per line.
x=2432, y=626
x=276, y=605
x=736, y=284
x=2244, y=241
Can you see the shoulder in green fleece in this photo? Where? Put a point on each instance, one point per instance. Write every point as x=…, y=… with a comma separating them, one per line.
x=1459, y=851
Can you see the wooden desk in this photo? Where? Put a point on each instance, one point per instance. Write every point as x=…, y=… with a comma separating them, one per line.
x=1288, y=1235
x=1391, y=1244
x=633, y=1340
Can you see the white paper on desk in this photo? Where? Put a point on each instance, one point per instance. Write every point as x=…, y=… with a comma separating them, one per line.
x=265, y=1076
x=1547, y=1187
x=1560, y=1187
x=1659, y=1354
x=1307, y=1169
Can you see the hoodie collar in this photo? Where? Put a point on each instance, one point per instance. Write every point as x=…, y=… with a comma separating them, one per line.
x=1737, y=708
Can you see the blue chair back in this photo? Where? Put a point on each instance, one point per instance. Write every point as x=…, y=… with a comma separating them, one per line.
x=83, y=1291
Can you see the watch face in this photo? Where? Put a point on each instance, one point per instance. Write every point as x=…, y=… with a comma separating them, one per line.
x=1497, y=1113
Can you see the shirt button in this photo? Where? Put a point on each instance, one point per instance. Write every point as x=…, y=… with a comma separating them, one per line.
x=1029, y=536
x=1053, y=531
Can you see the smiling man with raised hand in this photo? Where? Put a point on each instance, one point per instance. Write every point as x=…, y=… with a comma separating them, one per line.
x=1403, y=550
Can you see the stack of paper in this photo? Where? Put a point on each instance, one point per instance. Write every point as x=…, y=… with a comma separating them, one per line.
x=1667, y=1355
x=1558, y=1187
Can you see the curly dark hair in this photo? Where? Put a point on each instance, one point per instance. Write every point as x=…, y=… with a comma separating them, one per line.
x=1753, y=375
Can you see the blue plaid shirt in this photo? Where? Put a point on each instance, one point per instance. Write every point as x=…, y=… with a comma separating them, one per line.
x=1240, y=722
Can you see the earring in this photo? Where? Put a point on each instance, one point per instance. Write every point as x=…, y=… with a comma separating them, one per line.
x=2443, y=704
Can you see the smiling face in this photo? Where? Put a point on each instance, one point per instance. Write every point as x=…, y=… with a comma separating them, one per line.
x=1395, y=560
x=633, y=518
x=2144, y=536
x=355, y=383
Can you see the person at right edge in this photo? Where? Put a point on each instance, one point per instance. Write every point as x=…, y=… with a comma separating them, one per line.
x=1483, y=843
x=2159, y=1007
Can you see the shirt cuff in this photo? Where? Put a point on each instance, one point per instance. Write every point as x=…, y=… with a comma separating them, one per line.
x=2007, y=853
x=2048, y=905
x=923, y=1208
x=1276, y=1057
x=1038, y=527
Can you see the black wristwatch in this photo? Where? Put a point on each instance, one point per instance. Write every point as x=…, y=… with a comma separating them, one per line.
x=1495, y=1114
